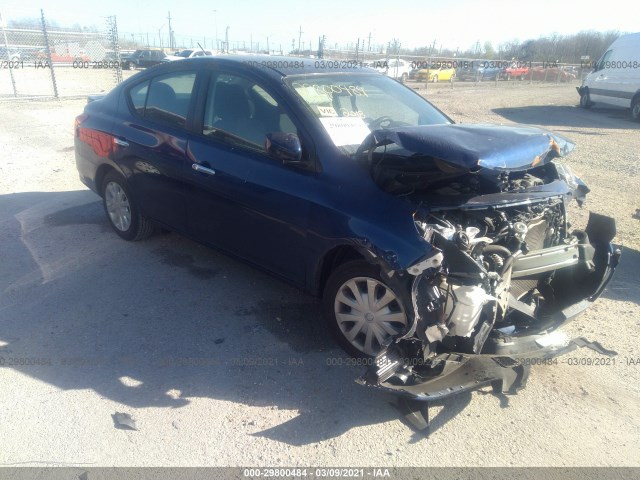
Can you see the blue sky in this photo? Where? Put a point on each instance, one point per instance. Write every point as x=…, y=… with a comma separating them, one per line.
x=450, y=23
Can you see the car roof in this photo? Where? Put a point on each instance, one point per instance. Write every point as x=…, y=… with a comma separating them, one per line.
x=284, y=65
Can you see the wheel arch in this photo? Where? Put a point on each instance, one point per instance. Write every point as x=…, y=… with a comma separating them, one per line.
x=331, y=260
x=102, y=172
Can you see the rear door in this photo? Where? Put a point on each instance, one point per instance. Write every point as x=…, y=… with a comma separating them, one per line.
x=151, y=144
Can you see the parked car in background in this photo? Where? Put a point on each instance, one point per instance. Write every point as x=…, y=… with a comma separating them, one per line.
x=188, y=54
x=517, y=71
x=436, y=73
x=615, y=79
x=66, y=57
x=395, y=68
x=551, y=74
x=443, y=250
x=143, y=58
x=8, y=55
x=479, y=70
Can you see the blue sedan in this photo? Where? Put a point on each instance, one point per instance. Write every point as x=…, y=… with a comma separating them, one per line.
x=423, y=238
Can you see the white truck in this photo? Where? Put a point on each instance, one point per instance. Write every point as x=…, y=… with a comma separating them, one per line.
x=615, y=79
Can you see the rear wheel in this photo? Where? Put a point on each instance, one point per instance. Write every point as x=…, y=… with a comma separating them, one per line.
x=362, y=310
x=122, y=212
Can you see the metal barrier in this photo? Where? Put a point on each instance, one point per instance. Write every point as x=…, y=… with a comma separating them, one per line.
x=38, y=59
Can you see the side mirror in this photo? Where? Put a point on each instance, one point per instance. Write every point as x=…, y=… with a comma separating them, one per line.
x=284, y=146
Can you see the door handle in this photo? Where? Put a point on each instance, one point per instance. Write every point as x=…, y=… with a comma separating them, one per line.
x=199, y=168
x=122, y=143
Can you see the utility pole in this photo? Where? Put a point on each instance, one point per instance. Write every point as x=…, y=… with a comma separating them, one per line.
x=215, y=21
x=170, y=32
x=369, y=43
x=299, y=40
x=226, y=38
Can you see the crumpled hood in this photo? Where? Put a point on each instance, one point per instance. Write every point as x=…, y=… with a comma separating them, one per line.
x=497, y=147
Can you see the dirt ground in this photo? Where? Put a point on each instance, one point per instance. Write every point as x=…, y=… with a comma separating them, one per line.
x=221, y=365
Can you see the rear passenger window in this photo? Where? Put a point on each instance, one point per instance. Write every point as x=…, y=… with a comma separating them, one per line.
x=167, y=98
x=138, y=96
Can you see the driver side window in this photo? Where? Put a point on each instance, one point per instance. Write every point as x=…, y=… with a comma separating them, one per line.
x=244, y=110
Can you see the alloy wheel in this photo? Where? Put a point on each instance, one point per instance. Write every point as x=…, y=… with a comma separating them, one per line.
x=118, y=206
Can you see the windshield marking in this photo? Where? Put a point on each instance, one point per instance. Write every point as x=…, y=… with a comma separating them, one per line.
x=345, y=130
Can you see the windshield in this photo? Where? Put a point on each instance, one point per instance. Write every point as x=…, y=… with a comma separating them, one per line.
x=184, y=53
x=350, y=106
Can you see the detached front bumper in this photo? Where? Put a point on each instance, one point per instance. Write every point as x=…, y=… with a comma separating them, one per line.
x=460, y=373
x=506, y=358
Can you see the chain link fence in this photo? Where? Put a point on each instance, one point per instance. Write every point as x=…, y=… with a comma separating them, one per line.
x=38, y=58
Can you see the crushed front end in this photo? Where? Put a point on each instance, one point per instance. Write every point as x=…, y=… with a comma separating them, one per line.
x=505, y=270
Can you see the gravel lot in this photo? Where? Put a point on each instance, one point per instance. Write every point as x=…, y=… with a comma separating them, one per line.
x=221, y=365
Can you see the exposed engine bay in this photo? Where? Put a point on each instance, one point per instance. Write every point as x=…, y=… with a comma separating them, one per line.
x=504, y=268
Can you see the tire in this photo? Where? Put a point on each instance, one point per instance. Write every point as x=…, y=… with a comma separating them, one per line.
x=585, y=99
x=522, y=77
x=635, y=108
x=452, y=78
x=435, y=79
x=404, y=78
x=348, y=287
x=122, y=211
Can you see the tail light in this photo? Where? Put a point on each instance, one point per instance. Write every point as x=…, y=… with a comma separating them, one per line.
x=76, y=127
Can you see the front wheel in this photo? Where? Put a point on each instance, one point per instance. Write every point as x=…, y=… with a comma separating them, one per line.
x=122, y=211
x=362, y=310
x=585, y=99
x=635, y=109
